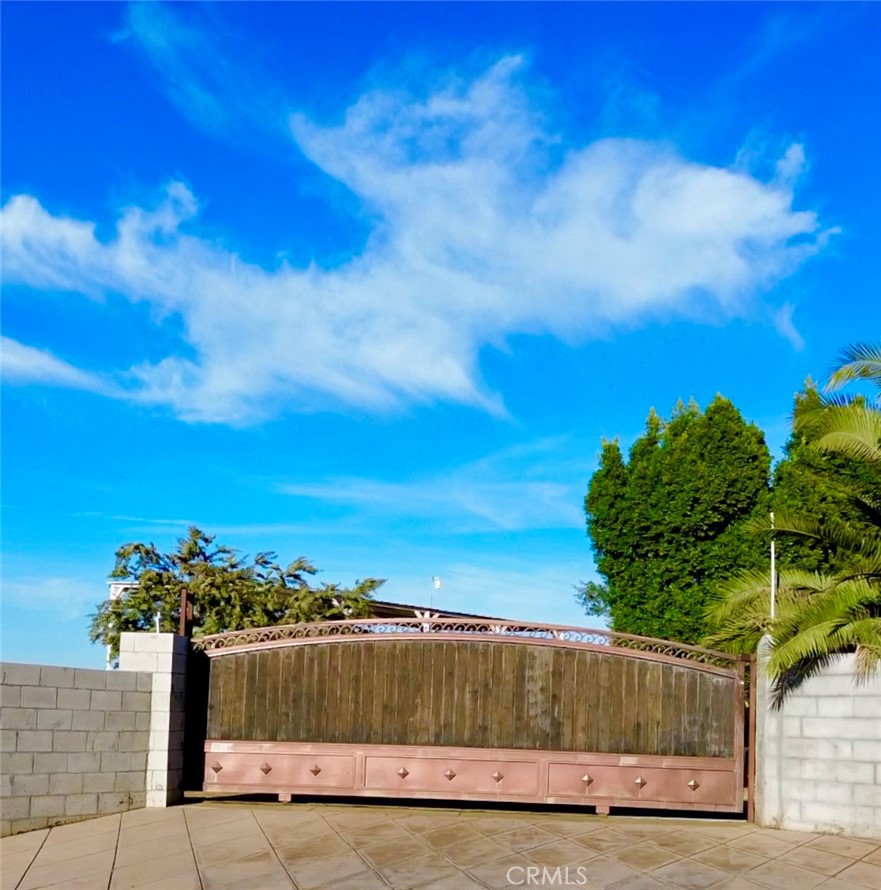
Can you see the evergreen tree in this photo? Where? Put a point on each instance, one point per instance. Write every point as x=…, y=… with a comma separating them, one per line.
x=230, y=592
x=669, y=523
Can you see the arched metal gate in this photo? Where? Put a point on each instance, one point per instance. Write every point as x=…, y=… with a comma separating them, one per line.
x=469, y=710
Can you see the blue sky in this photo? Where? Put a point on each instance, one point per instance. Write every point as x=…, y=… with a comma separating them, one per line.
x=369, y=283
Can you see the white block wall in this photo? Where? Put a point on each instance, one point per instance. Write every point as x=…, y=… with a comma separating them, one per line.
x=818, y=763
x=165, y=656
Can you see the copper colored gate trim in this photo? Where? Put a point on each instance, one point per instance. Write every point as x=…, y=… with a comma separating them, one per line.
x=400, y=771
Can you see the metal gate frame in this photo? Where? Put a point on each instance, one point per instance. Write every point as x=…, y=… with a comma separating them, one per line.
x=601, y=780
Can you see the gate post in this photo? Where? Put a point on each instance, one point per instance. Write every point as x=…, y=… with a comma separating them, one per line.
x=751, y=739
x=165, y=656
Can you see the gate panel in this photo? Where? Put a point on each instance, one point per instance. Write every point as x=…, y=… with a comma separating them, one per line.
x=610, y=702
x=451, y=709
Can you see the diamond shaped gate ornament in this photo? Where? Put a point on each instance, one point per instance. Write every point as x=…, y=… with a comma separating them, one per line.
x=265, y=769
x=498, y=776
x=216, y=767
x=450, y=774
x=403, y=772
x=587, y=778
x=694, y=785
x=315, y=770
x=640, y=781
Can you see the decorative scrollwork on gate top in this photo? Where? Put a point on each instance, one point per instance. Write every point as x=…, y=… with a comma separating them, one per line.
x=459, y=627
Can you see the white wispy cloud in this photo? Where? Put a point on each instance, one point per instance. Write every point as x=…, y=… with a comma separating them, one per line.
x=503, y=505
x=527, y=487
x=195, y=65
x=486, y=227
x=785, y=325
x=26, y=364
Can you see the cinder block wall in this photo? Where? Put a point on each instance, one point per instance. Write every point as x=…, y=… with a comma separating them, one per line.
x=74, y=744
x=818, y=764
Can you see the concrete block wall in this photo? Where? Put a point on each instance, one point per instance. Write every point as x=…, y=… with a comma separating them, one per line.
x=165, y=656
x=74, y=743
x=818, y=764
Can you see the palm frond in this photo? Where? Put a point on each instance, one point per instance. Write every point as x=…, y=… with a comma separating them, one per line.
x=790, y=680
x=860, y=361
x=859, y=444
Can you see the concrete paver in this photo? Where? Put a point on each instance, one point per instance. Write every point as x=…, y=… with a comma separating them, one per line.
x=220, y=845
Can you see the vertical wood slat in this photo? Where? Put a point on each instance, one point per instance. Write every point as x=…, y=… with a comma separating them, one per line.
x=581, y=704
x=342, y=667
x=296, y=692
x=307, y=693
x=257, y=693
x=284, y=693
x=472, y=694
x=249, y=686
x=652, y=693
x=356, y=679
x=556, y=694
x=436, y=660
x=272, y=682
x=235, y=714
x=621, y=707
x=519, y=679
x=487, y=708
x=496, y=689
x=219, y=695
x=569, y=704
x=591, y=668
x=691, y=726
x=323, y=692
x=417, y=703
x=532, y=717
x=373, y=700
x=604, y=705
x=214, y=725
x=722, y=713
x=632, y=719
x=704, y=709
x=450, y=699
x=390, y=689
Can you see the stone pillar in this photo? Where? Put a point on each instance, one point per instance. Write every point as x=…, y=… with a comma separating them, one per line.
x=165, y=655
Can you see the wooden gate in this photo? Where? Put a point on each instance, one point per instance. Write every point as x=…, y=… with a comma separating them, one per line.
x=469, y=710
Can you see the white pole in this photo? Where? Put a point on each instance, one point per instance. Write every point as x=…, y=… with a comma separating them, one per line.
x=773, y=572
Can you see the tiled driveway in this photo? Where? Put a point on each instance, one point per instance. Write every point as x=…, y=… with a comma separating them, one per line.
x=215, y=845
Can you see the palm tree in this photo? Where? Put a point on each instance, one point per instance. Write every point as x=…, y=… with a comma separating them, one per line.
x=849, y=425
x=821, y=615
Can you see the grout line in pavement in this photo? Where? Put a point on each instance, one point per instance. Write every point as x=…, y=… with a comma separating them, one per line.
x=115, y=851
x=368, y=865
x=192, y=850
x=33, y=859
x=274, y=853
